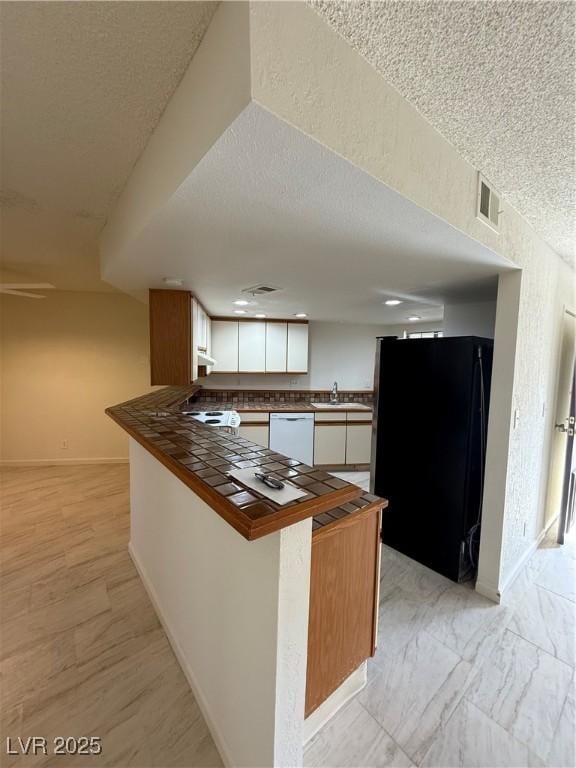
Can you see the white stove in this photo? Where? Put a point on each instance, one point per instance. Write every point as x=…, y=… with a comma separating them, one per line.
x=230, y=419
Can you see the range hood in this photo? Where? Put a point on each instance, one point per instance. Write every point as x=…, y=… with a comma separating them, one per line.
x=204, y=359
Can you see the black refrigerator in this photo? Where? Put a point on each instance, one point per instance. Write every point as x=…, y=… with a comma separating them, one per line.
x=429, y=445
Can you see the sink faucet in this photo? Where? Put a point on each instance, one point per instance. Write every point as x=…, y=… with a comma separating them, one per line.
x=334, y=393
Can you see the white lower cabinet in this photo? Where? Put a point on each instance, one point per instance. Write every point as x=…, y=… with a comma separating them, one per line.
x=342, y=438
x=339, y=439
x=254, y=427
x=255, y=433
x=330, y=442
x=358, y=443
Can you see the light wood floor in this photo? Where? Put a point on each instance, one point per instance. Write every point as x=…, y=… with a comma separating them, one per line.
x=81, y=650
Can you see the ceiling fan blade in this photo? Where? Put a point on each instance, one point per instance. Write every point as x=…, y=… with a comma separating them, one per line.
x=12, y=292
x=26, y=286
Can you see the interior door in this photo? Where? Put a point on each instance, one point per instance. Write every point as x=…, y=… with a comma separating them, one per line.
x=560, y=437
x=569, y=481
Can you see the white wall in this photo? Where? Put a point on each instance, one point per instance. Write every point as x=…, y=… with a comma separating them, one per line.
x=301, y=70
x=236, y=612
x=309, y=76
x=470, y=319
x=342, y=352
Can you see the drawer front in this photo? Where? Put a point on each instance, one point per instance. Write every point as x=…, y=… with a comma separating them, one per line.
x=359, y=416
x=250, y=417
x=330, y=416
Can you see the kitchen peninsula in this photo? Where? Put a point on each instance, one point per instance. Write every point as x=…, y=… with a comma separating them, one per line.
x=271, y=610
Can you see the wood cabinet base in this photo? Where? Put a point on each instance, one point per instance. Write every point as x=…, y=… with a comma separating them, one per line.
x=344, y=582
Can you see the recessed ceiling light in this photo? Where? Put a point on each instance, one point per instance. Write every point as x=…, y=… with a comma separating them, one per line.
x=239, y=311
x=413, y=318
x=392, y=302
x=241, y=303
x=172, y=281
x=260, y=315
x=301, y=314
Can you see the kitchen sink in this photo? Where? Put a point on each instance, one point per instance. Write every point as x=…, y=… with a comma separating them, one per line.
x=343, y=406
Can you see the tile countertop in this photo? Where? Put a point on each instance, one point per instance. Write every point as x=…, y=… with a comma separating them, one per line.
x=200, y=456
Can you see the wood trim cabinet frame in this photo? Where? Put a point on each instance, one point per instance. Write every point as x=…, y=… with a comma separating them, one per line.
x=343, y=618
x=170, y=337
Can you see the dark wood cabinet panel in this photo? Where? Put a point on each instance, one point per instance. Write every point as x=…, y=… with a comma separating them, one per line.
x=170, y=337
x=343, y=596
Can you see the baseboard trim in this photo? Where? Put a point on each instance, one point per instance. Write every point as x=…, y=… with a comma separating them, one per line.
x=60, y=462
x=549, y=524
x=520, y=565
x=178, y=652
x=353, y=684
x=496, y=594
x=487, y=591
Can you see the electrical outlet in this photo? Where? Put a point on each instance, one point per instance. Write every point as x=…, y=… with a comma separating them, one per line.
x=293, y=382
x=64, y=445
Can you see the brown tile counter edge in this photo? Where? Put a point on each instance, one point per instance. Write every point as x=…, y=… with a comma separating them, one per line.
x=337, y=518
x=201, y=456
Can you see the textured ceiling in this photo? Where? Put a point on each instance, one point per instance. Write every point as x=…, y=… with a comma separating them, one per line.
x=497, y=79
x=268, y=204
x=83, y=86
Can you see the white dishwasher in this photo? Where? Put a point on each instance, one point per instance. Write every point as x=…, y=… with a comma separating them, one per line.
x=292, y=434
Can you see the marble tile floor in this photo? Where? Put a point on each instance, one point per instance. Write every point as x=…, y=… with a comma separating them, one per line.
x=81, y=650
x=459, y=681
x=456, y=680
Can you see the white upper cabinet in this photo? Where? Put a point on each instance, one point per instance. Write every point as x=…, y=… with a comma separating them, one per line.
x=251, y=347
x=276, y=347
x=297, y=358
x=225, y=345
x=202, y=334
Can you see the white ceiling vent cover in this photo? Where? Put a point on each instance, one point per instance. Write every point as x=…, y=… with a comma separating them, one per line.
x=488, y=208
x=261, y=290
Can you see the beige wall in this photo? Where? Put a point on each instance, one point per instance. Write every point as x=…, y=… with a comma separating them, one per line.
x=64, y=360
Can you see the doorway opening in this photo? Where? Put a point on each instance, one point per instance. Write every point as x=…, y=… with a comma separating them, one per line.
x=561, y=491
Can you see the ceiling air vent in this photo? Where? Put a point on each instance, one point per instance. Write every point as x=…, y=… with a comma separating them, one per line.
x=261, y=290
x=488, y=204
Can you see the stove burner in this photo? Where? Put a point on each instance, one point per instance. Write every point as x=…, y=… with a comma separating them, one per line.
x=212, y=421
x=192, y=413
x=214, y=413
